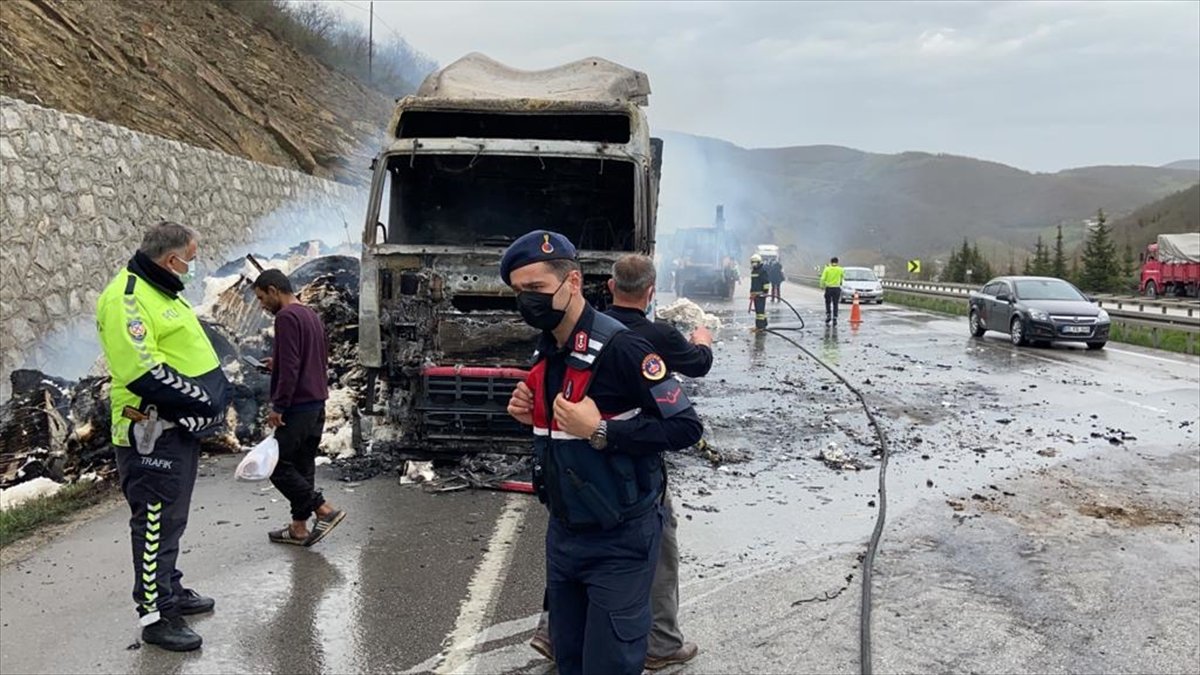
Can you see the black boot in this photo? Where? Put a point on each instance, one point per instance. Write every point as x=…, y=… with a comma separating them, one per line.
x=172, y=634
x=190, y=602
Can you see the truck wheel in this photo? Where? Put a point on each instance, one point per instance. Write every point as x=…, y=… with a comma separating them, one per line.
x=1096, y=345
x=1016, y=332
x=1151, y=290
x=977, y=327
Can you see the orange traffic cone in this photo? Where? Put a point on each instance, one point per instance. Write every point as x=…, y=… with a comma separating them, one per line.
x=855, y=312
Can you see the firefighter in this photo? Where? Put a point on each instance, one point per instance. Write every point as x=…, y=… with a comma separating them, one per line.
x=776, y=277
x=602, y=410
x=831, y=280
x=760, y=288
x=168, y=391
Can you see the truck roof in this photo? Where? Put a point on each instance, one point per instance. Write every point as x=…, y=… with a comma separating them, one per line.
x=479, y=77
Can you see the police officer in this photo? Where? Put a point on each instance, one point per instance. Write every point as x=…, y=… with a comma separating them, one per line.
x=760, y=288
x=168, y=390
x=602, y=410
x=632, y=287
x=831, y=280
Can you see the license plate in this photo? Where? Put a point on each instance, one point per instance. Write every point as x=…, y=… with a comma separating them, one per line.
x=1077, y=330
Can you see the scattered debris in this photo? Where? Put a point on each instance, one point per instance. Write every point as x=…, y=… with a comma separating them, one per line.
x=417, y=472
x=23, y=492
x=687, y=316
x=835, y=457
x=703, y=507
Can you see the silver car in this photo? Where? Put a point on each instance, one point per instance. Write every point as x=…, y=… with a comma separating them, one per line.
x=862, y=280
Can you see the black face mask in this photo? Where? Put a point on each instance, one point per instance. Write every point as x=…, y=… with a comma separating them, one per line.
x=537, y=309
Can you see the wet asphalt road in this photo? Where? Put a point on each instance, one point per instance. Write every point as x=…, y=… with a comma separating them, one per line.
x=1044, y=509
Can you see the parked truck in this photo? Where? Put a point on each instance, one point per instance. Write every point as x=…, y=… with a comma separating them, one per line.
x=706, y=260
x=480, y=155
x=1171, y=266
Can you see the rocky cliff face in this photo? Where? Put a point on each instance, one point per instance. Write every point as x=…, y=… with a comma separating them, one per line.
x=192, y=71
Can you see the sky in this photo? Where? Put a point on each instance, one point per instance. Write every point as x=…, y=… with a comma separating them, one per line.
x=1042, y=86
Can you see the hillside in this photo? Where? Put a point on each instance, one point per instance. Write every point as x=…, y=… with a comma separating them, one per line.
x=193, y=71
x=1179, y=212
x=1189, y=164
x=204, y=74
x=829, y=199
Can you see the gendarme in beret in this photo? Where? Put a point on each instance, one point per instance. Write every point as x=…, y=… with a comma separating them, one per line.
x=535, y=247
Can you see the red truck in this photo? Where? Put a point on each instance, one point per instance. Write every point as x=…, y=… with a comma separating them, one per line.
x=1172, y=266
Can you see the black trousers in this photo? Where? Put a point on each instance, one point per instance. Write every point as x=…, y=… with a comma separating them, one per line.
x=833, y=296
x=295, y=475
x=760, y=311
x=158, y=487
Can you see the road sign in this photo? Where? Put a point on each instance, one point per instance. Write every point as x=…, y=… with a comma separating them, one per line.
x=914, y=266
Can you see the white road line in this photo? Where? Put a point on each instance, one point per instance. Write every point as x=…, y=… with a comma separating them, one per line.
x=1176, y=362
x=1135, y=404
x=484, y=590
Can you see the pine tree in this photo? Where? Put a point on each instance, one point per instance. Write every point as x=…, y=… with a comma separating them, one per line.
x=1059, y=267
x=1128, y=269
x=1028, y=269
x=1041, y=259
x=1101, y=269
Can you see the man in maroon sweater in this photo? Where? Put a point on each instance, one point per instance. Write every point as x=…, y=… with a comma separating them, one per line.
x=299, y=364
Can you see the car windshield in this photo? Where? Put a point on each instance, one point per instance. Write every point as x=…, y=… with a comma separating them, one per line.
x=853, y=274
x=1047, y=289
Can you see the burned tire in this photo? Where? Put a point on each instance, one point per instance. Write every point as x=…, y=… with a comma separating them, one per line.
x=977, y=327
x=1016, y=332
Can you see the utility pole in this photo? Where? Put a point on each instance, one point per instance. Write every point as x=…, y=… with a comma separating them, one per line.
x=370, y=42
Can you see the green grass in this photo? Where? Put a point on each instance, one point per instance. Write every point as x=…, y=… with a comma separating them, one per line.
x=927, y=302
x=25, y=519
x=1168, y=339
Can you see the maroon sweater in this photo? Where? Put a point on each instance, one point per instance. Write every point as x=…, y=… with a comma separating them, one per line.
x=299, y=379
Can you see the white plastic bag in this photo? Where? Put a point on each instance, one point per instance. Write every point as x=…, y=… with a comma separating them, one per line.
x=259, y=463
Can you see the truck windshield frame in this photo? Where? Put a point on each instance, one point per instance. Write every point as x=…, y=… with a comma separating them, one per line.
x=491, y=199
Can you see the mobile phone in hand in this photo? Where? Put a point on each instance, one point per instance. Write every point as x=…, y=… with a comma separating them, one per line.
x=255, y=363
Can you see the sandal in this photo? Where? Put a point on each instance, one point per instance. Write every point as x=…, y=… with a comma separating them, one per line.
x=324, y=526
x=285, y=536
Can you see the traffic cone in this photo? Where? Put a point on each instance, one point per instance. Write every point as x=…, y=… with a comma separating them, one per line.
x=855, y=312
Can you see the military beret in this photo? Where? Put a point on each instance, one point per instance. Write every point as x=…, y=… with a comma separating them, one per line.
x=535, y=247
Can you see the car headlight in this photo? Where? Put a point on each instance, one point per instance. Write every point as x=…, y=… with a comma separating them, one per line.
x=1102, y=316
x=1038, y=315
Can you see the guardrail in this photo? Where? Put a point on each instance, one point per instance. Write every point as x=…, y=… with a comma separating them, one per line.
x=1140, y=312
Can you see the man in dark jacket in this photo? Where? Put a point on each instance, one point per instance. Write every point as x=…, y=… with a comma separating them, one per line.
x=632, y=288
x=775, y=274
x=299, y=368
x=603, y=409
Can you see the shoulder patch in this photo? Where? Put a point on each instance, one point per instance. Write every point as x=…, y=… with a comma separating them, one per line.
x=669, y=398
x=581, y=342
x=137, y=330
x=653, y=368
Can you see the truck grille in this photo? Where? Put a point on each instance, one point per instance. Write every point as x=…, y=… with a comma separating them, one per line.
x=464, y=403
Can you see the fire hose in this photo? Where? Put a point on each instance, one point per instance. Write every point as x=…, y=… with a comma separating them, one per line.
x=864, y=626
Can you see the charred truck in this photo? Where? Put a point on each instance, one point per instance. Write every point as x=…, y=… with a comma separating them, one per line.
x=482, y=154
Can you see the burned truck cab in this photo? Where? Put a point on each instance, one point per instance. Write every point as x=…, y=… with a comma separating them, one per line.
x=479, y=156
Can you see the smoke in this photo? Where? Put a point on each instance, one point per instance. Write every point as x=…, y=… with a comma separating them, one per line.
x=699, y=173
x=335, y=219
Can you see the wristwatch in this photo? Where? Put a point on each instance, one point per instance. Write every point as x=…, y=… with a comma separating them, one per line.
x=599, y=437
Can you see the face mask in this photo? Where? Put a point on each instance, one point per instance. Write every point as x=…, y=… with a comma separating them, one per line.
x=189, y=275
x=537, y=309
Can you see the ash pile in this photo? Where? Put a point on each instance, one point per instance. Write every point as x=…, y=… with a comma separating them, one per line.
x=59, y=430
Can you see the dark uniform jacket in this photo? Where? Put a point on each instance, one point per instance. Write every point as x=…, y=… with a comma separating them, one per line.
x=681, y=356
x=647, y=413
x=759, y=281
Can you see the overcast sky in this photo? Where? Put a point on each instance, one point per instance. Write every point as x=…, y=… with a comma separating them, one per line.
x=1038, y=85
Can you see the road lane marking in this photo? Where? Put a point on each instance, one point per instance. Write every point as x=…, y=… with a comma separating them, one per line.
x=484, y=590
x=1176, y=362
